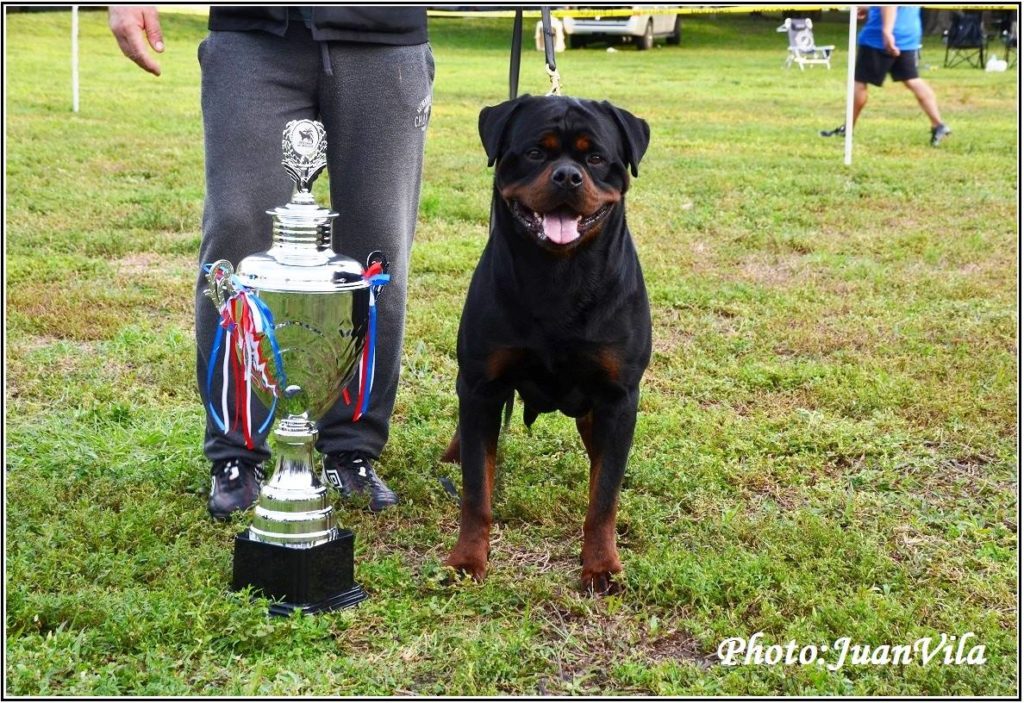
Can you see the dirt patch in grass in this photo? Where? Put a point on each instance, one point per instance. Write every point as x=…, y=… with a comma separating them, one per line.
x=669, y=335
x=33, y=343
x=588, y=642
x=78, y=312
x=702, y=258
x=145, y=286
x=948, y=479
x=776, y=403
x=838, y=331
x=762, y=489
x=774, y=270
x=680, y=647
x=544, y=558
x=148, y=263
x=586, y=646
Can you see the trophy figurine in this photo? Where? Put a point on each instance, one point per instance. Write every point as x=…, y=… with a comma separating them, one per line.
x=296, y=322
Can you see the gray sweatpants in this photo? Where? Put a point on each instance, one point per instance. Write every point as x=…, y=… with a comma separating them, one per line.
x=374, y=101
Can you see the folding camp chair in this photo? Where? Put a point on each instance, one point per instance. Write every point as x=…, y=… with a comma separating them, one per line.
x=966, y=39
x=802, y=49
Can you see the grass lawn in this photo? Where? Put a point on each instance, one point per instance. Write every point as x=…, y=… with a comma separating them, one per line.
x=826, y=445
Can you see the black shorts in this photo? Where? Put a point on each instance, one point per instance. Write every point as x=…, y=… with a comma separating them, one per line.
x=873, y=64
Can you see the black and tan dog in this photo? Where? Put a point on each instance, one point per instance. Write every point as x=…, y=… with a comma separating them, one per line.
x=557, y=309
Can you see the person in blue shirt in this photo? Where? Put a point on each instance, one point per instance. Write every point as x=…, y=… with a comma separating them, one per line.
x=889, y=43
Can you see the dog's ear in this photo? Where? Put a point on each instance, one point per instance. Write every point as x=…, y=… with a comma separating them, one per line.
x=493, y=121
x=635, y=133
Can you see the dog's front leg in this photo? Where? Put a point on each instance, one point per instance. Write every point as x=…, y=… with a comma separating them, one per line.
x=479, y=424
x=607, y=434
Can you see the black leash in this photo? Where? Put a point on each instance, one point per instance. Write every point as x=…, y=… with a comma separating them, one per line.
x=517, y=49
x=549, y=38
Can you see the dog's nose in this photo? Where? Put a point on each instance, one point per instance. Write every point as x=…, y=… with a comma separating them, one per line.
x=567, y=176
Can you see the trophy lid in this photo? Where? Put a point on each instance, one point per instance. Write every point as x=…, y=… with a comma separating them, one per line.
x=301, y=258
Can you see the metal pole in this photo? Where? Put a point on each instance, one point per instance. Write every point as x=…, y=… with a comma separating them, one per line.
x=851, y=61
x=74, y=58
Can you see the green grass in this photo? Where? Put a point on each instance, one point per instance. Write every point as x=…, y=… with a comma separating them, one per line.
x=827, y=438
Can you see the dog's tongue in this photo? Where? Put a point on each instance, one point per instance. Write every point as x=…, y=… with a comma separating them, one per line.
x=561, y=227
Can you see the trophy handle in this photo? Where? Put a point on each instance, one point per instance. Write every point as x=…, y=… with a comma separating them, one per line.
x=378, y=257
x=219, y=286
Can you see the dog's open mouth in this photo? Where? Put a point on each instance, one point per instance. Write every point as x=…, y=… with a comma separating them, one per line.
x=563, y=225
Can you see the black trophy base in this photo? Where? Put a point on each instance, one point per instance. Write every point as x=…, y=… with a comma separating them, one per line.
x=313, y=580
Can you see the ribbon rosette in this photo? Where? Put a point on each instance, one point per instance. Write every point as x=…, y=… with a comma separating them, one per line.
x=246, y=321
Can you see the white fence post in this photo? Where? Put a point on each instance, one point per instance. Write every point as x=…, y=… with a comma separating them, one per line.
x=852, y=61
x=74, y=58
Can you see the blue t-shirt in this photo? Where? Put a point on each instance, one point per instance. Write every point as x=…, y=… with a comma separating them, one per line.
x=906, y=31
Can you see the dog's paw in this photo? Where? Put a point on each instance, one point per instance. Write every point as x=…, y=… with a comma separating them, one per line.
x=600, y=583
x=468, y=564
x=599, y=570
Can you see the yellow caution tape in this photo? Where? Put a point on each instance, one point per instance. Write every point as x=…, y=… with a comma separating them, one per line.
x=629, y=12
x=691, y=10
x=701, y=10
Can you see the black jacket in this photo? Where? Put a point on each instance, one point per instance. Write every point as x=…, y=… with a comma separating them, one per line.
x=371, y=25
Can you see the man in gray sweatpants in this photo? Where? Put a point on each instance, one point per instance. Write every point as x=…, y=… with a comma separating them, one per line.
x=367, y=74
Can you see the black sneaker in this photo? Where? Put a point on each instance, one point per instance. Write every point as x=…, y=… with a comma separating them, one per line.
x=234, y=485
x=939, y=133
x=352, y=473
x=839, y=131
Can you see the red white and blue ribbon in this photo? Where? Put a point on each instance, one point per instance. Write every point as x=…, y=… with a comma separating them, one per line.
x=245, y=322
x=367, y=363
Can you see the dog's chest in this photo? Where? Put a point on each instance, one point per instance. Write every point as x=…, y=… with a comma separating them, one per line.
x=552, y=381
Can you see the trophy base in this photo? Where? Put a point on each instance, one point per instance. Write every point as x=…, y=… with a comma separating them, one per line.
x=314, y=579
x=345, y=599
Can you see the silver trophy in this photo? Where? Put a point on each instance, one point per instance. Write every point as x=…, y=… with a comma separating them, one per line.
x=315, y=307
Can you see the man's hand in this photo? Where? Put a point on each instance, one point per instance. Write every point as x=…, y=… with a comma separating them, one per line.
x=888, y=24
x=890, y=43
x=130, y=23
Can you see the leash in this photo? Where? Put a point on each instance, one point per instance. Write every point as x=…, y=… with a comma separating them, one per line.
x=516, y=57
x=549, y=53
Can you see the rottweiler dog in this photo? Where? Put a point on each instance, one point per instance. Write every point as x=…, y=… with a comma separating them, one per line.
x=557, y=309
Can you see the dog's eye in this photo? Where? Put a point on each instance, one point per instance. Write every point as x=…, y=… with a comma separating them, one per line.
x=535, y=154
x=595, y=159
